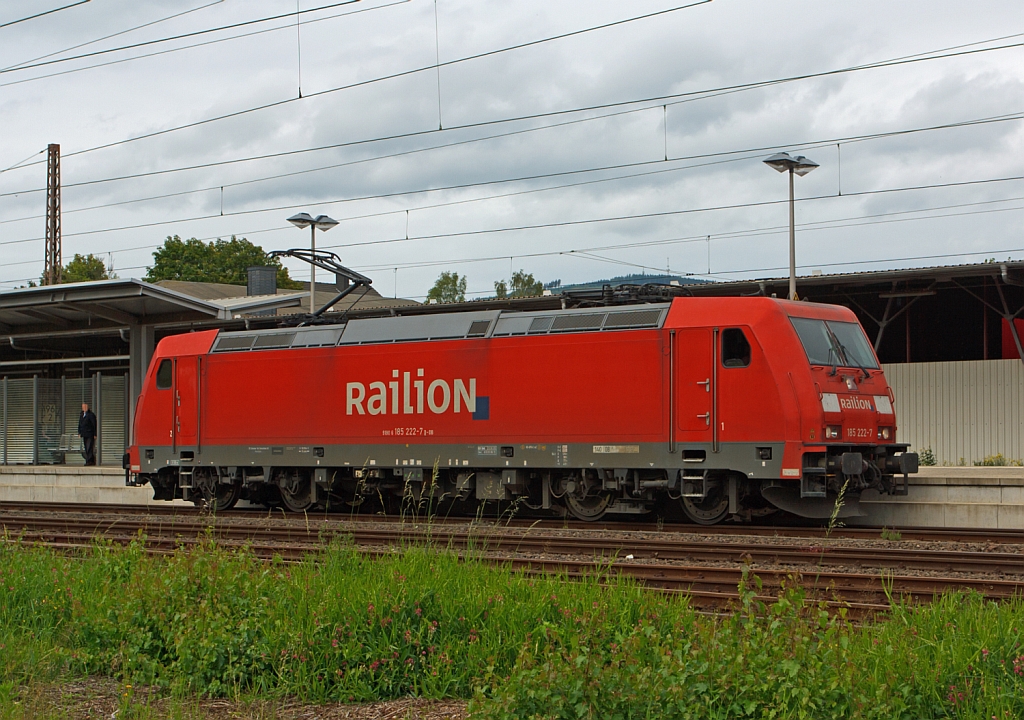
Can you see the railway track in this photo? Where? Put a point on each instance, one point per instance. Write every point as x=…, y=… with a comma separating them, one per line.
x=961, y=535
x=708, y=570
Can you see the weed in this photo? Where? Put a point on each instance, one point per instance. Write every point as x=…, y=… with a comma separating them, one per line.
x=926, y=458
x=891, y=535
x=998, y=460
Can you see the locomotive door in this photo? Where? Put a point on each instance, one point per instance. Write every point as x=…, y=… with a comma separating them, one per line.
x=186, y=401
x=694, y=385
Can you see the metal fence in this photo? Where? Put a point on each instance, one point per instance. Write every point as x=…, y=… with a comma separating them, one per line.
x=963, y=411
x=39, y=419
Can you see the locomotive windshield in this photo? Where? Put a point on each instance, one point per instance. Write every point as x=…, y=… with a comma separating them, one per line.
x=834, y=343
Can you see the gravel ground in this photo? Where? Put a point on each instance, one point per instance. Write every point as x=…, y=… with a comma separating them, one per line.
x=101, y=698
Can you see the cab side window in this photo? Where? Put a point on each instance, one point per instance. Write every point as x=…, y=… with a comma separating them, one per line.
x=735, y=348
x=163, y=375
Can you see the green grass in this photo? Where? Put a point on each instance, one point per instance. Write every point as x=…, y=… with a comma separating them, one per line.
x=344, y=627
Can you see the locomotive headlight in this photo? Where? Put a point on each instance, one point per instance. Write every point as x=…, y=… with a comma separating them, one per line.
x=833, y=432
x=884, y=433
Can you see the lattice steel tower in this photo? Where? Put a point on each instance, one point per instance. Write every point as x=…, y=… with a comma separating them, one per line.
x=53, y=267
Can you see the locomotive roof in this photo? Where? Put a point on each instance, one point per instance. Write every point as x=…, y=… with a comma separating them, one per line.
x=447, y=326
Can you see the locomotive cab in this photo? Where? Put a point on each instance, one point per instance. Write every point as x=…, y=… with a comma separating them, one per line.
x=849, y=436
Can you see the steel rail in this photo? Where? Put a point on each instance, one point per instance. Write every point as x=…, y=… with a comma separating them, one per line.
x=576, y=556
x=971, y=535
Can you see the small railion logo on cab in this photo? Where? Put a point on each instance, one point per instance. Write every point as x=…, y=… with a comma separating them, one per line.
x=855, y=403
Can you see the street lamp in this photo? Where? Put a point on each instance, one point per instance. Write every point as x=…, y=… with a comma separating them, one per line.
x=323, y=224
x=798, y=165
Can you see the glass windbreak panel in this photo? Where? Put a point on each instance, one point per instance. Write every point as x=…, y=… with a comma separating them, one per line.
x=853, y=344
x=816, y=341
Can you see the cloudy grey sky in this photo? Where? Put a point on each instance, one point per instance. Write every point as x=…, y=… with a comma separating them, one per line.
x=711, y=209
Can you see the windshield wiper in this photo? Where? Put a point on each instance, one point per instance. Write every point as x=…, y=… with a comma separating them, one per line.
x=851, y=362
x=833, y=360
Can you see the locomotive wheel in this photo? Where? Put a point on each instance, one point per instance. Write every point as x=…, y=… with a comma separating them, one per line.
x=590, y=509
x=296, y=489
x=711, y=508
x=584, y=499
x=217, y=496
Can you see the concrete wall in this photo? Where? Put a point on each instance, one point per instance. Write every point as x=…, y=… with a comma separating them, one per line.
x=960, y=410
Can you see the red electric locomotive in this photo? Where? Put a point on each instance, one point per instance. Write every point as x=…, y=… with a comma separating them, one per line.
x=729, y=406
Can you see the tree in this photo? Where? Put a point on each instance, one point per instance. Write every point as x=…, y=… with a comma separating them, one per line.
x=449, y=288
x=223, y=261
x=83, y=268
x=523, y=285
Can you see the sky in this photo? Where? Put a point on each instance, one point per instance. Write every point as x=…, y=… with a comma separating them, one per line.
x=573, y=140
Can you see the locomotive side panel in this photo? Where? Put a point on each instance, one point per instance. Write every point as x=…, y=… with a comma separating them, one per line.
x=565, y=388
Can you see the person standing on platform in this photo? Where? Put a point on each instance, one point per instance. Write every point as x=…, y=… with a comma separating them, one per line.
x=87, y=431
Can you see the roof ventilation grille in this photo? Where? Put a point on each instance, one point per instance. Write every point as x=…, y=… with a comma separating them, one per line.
x=478, y=328
x=590, y=321
x=540, y=325
x=633, y=319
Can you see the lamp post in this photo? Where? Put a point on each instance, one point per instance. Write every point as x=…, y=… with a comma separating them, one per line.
x=798, y=165
x=323, y=224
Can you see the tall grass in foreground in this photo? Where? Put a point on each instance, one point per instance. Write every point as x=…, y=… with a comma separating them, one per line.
x=345, y=627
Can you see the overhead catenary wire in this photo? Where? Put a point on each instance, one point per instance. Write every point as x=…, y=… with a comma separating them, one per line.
x=115, y=34
x=171, y=38
x=41, y=14
x=933, y=54
x=851, y=263
x=391, y=76
x=804, y=145
x=565, y=223
x=204, y=43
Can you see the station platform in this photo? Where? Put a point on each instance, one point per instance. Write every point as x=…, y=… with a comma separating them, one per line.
x=939, y=497
x=71, y=484
x=951, y=497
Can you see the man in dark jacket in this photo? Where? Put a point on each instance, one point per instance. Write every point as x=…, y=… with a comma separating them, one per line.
x=87, y=430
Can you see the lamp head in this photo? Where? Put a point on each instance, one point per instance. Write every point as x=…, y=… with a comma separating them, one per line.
x=784, y=161
x=324, y=223
x=302, y=220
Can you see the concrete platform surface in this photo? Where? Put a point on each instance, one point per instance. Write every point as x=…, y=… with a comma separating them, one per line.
x=71, y=484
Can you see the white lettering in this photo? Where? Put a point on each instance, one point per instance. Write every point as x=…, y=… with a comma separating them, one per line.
x=461, y=394
x=394, y=393
x=406, y=396
x=855, y=403
x=355, y=393
x=378, y=402
x=446, y=396
x=419, y=392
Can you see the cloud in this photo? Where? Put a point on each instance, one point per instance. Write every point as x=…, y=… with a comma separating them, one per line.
x=718, y=44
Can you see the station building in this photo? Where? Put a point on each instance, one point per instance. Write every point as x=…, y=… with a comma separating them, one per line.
x=951, y=340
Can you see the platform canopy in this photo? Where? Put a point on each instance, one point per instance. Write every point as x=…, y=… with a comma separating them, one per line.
x=91, y=306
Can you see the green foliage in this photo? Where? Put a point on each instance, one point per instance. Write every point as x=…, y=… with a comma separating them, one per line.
x=523, y=284
x=998, y=460
x=339, y=627
x=449, y=288
x=83, y=268
x=223, y=261
x=960, y=657
x=342, y=626
x=926, y=458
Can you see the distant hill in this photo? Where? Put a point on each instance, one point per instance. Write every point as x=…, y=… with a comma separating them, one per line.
x=556, y=286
